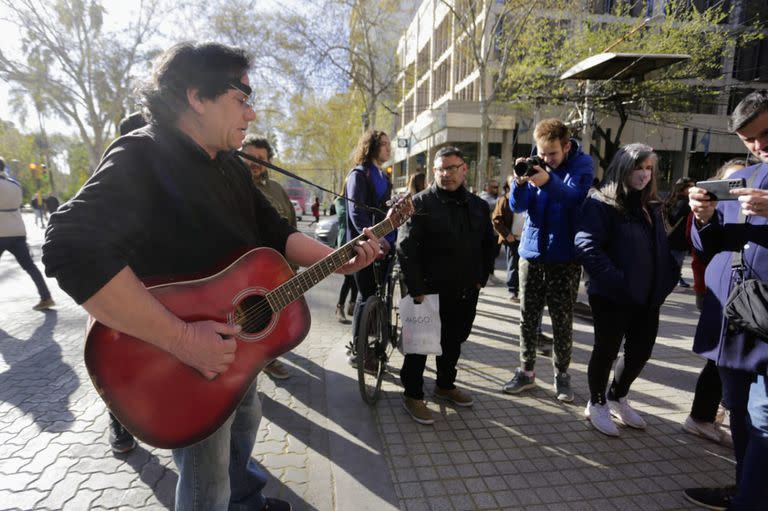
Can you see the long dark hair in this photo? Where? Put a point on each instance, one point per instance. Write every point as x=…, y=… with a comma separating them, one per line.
x=368, y=147
x=614, y=189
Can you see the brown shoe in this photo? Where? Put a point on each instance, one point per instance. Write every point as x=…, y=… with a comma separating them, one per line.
x=418, y=410
x=455, y=396
x=351, y=309
x=277, y=370
x=44, y=304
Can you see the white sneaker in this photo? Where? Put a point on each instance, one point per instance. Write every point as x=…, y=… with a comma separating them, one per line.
x=709, y=430
x=600, y=417
x=622, y=411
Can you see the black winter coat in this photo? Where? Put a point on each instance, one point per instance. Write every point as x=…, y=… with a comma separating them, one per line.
x=448, y=245
x=627, y=258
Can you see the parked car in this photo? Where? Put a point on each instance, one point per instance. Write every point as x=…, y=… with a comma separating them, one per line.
x=327, y=230
x=297, y=209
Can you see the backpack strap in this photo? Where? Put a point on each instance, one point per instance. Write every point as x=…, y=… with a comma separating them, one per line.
x=738, y=257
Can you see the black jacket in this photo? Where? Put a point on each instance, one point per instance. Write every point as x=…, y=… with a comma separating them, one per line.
x=448, y=245
x=627, y=258
x=160, y=205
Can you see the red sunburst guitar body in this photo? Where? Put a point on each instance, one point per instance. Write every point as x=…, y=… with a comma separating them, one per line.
x=168, y=404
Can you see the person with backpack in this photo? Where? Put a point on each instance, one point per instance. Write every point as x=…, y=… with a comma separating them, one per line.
x=368, y=190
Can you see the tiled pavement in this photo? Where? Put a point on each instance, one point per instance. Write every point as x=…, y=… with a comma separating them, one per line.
x=325, y=449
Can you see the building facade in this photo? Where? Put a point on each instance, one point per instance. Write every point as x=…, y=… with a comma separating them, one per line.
x=439, y=88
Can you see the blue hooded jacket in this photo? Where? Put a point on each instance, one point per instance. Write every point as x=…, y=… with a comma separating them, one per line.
x=553, y=209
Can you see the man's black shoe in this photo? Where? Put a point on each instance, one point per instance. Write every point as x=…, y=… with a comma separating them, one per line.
x=276, y=505
x=711, y=498
x=119, y=437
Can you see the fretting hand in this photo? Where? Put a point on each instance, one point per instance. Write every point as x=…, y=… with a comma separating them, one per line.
x=367, y=252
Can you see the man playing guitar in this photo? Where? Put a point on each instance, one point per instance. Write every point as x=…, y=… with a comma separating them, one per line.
x=171, y=200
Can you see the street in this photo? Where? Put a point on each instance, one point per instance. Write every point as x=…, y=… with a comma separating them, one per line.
x=326, y=450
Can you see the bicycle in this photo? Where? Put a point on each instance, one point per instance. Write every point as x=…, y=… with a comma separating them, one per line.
x=379, y=331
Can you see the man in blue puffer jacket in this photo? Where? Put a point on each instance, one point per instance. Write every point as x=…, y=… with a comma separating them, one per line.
x=549, y=275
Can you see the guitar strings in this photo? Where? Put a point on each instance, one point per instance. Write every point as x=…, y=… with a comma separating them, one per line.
x=256, y=314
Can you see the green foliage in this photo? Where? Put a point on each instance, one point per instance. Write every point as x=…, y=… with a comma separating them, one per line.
x=77, y=160
x=559, y=36
x=16, y=146
x=321, y=134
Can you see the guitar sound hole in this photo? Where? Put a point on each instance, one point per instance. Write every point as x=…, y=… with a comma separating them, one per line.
x=254, y=314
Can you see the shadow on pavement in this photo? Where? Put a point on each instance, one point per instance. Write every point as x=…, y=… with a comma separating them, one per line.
x=154, y=474
x=38, y=381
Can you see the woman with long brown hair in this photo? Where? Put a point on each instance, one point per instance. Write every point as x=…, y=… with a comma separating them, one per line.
x=622, y=243
x=369, y=189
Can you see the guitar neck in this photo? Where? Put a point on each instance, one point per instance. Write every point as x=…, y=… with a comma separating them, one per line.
x=294, y=288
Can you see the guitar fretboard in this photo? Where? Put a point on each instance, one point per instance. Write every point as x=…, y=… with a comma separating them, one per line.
x=294, y=288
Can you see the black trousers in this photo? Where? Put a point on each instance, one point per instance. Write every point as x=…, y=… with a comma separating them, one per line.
x=17, y=245
x=637, y=325
x=457, y=313
x=709, y=392
x=348, y=286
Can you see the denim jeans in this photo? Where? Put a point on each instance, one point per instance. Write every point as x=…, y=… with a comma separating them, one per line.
x=218, y=473
x=752, y=489
x=513, y=257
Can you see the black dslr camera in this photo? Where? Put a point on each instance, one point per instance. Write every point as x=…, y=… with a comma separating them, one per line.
x=525, y=168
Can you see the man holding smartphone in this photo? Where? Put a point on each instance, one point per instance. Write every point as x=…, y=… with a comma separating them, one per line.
x=722, y=230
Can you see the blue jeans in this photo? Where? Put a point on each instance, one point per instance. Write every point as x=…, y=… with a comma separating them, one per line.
x=218, y=473
x=752, y=488
x=513, y=257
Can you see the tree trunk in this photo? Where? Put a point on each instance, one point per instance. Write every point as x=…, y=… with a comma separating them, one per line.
x=482, y=159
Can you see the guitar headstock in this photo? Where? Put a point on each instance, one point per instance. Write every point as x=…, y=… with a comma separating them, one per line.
x=401, y=210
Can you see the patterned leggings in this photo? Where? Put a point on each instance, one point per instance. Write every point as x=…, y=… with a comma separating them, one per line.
x=556, y=286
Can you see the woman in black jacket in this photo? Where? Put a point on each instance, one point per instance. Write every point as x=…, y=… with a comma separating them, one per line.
x=622, y=243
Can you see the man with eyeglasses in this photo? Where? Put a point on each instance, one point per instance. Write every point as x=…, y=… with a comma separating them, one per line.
x=447, y=248
x=259, y=147
x=172, y=199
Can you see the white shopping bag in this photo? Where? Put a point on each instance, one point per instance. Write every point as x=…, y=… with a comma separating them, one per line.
x=421, y=326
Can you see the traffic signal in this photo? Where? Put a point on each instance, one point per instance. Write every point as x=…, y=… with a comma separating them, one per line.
x=33, y=169
x=389, y=170
x=44, y=170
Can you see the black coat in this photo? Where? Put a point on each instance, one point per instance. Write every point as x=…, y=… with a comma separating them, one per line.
x=448, y=245
x=627, y=258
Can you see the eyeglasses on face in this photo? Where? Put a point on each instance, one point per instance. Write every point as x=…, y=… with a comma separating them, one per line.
x=450, y=169
x=247, y=98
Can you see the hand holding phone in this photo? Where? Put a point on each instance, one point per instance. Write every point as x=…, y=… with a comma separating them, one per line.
x=721, y=189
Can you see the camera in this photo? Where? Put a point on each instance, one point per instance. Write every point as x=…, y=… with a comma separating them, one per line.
x=525, y=168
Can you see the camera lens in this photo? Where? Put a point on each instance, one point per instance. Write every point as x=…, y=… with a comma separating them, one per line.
x=521, y=169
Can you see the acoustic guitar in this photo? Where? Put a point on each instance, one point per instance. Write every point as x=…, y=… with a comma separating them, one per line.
x=168, y=404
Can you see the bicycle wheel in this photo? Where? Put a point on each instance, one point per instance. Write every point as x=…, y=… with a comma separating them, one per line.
x=371, y=354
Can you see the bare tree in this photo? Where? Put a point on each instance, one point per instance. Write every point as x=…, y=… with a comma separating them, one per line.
x=487, y=34
x=350, y=44
x=73, y=68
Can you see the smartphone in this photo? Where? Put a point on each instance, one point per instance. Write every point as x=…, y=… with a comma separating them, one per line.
x=719, y=189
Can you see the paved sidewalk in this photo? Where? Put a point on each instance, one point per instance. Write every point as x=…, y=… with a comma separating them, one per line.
x=326, y=450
